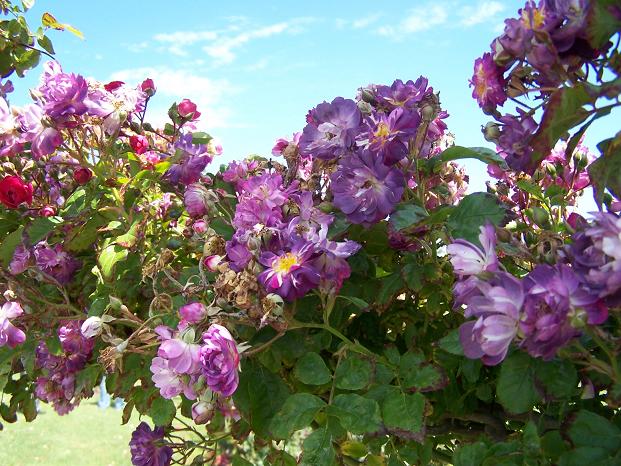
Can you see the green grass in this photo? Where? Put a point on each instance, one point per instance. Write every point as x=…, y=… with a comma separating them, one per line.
x=87, y=436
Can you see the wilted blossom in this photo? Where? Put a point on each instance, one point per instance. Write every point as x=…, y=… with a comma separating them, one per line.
x=469, y=259
x=365, y=189
x=554, y=297
x=148, y=447
x=496, y=305
x=290, y=273
x=220, y=360
x=10, y=335
x=488, y=83
x=595, y=254
x=331, y=130
x=281, y=145
x=56, y=262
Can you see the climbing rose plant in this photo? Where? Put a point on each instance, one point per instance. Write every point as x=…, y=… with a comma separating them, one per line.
x=343, y=301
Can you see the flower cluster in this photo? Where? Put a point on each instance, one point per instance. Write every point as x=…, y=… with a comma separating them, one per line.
x=59, y=384
x=538, y=52
x=542, y=312
x=53, y=261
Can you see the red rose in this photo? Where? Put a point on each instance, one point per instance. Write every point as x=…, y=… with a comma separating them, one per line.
x=140, y=144
x=187, y=109
x=14, y=191
x=82, y=175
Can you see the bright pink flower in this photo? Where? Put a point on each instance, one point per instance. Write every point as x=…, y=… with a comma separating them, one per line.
x=113, y=85
x=82, y=175
x=187, y=109
x=148, y=87
x=15, y=191
x=139, y=144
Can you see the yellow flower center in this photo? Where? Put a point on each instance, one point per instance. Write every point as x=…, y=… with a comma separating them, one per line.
x=534, y=19
x=383, y=131
x=285, y=263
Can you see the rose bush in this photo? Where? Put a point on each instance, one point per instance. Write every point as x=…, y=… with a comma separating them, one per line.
x=349, y=289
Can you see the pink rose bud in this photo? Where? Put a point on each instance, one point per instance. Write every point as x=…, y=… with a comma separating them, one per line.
x=187, y=109
x=91, y=327
x=82, y=175
x=193, y=312
x=211, y=262
x=200, y=226
x=113, y=85
x=202, y=412
x=47, y=211
x=139, y=144
x=148, y=87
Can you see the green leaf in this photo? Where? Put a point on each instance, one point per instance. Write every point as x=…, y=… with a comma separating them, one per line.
x=390, y=285
x=10, y=242
x=162, y=411
x=451, y=343
x=474, y=211
x=109, y=257
x=296, y=413
x=312, y=370
x=46, y=44
x=353, y=373
x=563, y=111
x=239, y=461
x=605, y=172
x=404, y=411
x=601, y=24
x=592, y=430
x=516, y=389
x=260, y=396
x=586, y=456
x=356, y=414
x=559, y=378
x=41, y=226
x=406, y=215
x=483, y=154
x=359, y=303
x=416, y=374
x=471, y=454
x=199, y=137
x=317, y=449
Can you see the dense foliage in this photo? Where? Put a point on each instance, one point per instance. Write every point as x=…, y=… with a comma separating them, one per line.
x=347, y=288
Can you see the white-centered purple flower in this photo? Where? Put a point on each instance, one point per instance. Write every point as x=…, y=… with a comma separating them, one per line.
x=220, y=360
x=388, y=135
x=469, y=259
x=331, y=130
x=168, y=381
x=148, y=447
x=365, y=189
x=10, y=335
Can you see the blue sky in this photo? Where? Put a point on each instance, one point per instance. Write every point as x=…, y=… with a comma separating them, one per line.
x=256, y=68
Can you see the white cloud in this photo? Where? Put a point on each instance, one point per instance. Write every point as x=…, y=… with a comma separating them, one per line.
x=481, y=13
x=175, y=84
x=418, y=19
x=359, y=23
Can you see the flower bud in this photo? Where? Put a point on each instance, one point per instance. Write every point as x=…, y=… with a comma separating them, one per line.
x=82, y=175
x=139, y=144
x=91, y=327
x=491, y=131
x=187, y=109
x=47, y=211
x=367, y=95
x=211, y=262
x=200, y=227
x=148, y=87
x=365, y=107
x=193, y=312
x=202, y=412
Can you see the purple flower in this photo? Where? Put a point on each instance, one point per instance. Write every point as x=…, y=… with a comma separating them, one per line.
x=496, y=304
x=469, y=259
x=595, y=254
x=389, y=134
x=514, y=140
x=238, y=254
x=182, y=357
x=10, y=335
x=170, y=383
x=488, y=83
x=63, y=93
x=148, y=447
x=252, y=213
x=366, y=189
x=77, y=347
x=332, y=129
x=554, y=295
x=197, y=199
x=238, y=171
x=290, y=274
x=21, y=260
x=57, y=263
x=193, y=313
x=220, y=360
x=194, y=159
x=399, y=94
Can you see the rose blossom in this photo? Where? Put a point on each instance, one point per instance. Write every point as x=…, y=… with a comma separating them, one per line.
x=15, y=191
x=220, y=360
x=10, y=335
x=148, y=448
